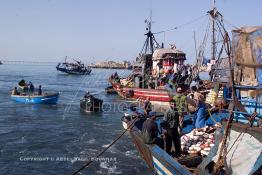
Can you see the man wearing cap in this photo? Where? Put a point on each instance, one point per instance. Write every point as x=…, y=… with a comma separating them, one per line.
x=181, y=104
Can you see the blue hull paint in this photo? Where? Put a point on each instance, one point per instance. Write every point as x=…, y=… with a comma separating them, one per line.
x=43, y=99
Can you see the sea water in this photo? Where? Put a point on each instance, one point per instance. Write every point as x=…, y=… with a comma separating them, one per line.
x=59, y=139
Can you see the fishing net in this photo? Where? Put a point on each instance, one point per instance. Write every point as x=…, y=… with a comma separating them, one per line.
x=247, y=55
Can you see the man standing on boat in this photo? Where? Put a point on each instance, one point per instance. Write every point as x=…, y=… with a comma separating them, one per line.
x=181, y=104
x=200, y=117
x=147, y=106
x=171, y=122
x=40, y=90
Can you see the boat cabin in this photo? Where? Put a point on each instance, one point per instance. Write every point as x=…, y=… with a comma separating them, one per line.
x=167, y=60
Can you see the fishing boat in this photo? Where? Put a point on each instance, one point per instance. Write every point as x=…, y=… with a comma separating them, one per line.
x=240, y=130
x=150, y=74
x=76, y=67
x=91, y=104
x=45, y=98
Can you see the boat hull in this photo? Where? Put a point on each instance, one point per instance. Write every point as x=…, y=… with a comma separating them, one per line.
x=157, y=159
x=91, y=106
x=50, y=98
x=155, y=95
x=74, y=72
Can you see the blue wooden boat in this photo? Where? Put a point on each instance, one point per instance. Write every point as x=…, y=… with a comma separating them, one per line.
x=46, y=98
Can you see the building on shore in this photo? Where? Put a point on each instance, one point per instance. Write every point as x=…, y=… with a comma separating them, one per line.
x=112, y=65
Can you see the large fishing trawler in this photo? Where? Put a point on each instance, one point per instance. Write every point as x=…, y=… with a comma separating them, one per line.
x=151, y=72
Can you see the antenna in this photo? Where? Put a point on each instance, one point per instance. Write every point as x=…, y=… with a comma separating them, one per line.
x=214, y=4
x=150, y=18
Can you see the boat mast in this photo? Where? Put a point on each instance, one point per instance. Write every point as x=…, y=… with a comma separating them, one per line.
x=213, y=15
x=150, y=43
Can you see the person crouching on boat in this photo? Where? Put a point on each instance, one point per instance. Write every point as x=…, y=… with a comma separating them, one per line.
x=147, y=106
x=88, y=96
x=171, y=128
x=150, y=131
x=14, y=91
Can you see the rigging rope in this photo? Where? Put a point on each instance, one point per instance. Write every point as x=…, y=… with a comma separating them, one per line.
x=232, y=25
x=187, y=23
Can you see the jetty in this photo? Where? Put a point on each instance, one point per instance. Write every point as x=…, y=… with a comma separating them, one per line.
x=112, y=65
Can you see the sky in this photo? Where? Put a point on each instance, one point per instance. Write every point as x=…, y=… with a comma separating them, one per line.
x=94, y=30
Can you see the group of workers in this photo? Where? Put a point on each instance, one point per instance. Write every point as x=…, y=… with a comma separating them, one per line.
x=181, y=76
x=172, y=123
x=25, y=88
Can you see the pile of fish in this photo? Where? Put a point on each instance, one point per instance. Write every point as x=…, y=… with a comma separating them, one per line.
x=199, y=141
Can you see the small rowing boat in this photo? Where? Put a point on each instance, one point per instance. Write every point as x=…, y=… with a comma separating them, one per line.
x=45, y=98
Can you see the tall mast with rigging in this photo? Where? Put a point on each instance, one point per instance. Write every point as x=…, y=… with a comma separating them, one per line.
x=150, y=43
x=213, y=16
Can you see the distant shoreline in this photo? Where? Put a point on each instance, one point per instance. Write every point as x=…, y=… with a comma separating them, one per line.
x=108, y=67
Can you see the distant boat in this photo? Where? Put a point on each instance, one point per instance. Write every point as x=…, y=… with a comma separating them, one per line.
x=46, y=98
x=1, y=62
x=76, y=67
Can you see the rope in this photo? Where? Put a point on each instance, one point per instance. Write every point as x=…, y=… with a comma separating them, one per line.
x=103, y=151
x=232, y=25
x=187, y=23
x=211, y=116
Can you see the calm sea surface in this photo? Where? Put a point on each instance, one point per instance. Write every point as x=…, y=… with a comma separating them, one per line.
x=48, y=139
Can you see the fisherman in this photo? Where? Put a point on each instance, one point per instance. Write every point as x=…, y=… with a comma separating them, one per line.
x=22, y=83
x=171, y=126
x=147, y=106
x=150, y=131
x=200, y=85
x=226, y=92
x=181, y=105
x=14, y=91
x=151, y=84
x=31, y=87
x=172, y=81
x=116, y=77
x=40, y=90
x=195, y=82
x=196, y=94
x=200, y=114
x=87, y=94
